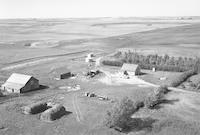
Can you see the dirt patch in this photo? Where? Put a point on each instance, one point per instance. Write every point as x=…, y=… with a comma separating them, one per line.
x=118, y=79
x=44, y=44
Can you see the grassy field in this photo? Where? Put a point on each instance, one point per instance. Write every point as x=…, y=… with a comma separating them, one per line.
x=156, y=77
x=178, y=41
x=37, y=47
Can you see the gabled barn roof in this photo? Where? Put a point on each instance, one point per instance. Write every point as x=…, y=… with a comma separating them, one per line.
x=129, y=67
x=19, y=78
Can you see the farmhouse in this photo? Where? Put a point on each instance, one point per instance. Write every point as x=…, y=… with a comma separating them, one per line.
x=130, y=69
x=19, y=83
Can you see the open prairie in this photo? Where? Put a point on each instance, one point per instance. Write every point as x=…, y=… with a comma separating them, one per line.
x=40, y=46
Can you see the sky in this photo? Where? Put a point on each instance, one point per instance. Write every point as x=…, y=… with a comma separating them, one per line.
x=97, y=8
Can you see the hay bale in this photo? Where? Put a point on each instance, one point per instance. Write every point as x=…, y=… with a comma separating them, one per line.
x=35, y=108
x=53, y=113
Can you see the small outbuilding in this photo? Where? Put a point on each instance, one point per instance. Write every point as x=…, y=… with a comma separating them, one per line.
x=154, y=69
x=88, y=59
x=130, y=69
x=62, y=73
x=90, y=55
x=65, y=75
x=20, y=83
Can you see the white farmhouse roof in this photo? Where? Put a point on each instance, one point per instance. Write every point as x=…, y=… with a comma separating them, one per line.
x=129, y=67
x=18, y=79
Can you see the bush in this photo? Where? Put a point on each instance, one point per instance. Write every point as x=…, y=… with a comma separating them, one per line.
x=151, y=101
x=119, y=116
x=156, y=98
x=183, y=77
x=162, y=90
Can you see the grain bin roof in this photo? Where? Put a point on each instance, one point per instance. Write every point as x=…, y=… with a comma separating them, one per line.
x=19, y=78
x=129, y=67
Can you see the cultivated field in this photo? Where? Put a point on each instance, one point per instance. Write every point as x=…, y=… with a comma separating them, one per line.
x=37, y=47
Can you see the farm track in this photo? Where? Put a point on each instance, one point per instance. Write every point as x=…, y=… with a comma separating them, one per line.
x=76, y=108
x=36, y=60
x=43, y=57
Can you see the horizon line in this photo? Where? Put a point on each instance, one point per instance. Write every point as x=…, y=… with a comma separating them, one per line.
x=100, y=17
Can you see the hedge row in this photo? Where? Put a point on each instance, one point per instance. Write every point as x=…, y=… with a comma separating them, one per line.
x=119, y=116
x=156, y=97
x=118, y=63
x=183, y=77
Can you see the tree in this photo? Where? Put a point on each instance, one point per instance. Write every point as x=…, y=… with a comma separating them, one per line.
x=120, y=115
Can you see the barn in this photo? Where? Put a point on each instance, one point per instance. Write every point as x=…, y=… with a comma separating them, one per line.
x=20, y=83
x=130, y=69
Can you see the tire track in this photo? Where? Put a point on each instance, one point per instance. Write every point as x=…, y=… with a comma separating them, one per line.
x=77, y=109
x=36, y=60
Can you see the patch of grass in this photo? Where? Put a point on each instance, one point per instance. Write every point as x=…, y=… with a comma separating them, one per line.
x=180, y=126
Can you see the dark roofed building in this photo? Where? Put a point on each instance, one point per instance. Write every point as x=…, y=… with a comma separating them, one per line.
x=62, y=73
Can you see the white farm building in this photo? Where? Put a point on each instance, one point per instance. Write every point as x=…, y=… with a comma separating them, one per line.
x=20, y=83
x=130, y=69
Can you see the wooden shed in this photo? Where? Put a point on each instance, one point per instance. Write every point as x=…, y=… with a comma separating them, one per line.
x=61, y=73
x=65, y=75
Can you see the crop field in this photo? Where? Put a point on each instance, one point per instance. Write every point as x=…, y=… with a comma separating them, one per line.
x=38, y=47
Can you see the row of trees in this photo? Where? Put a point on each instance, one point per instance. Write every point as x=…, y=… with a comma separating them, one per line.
x=119, y=116
x=165, y=63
